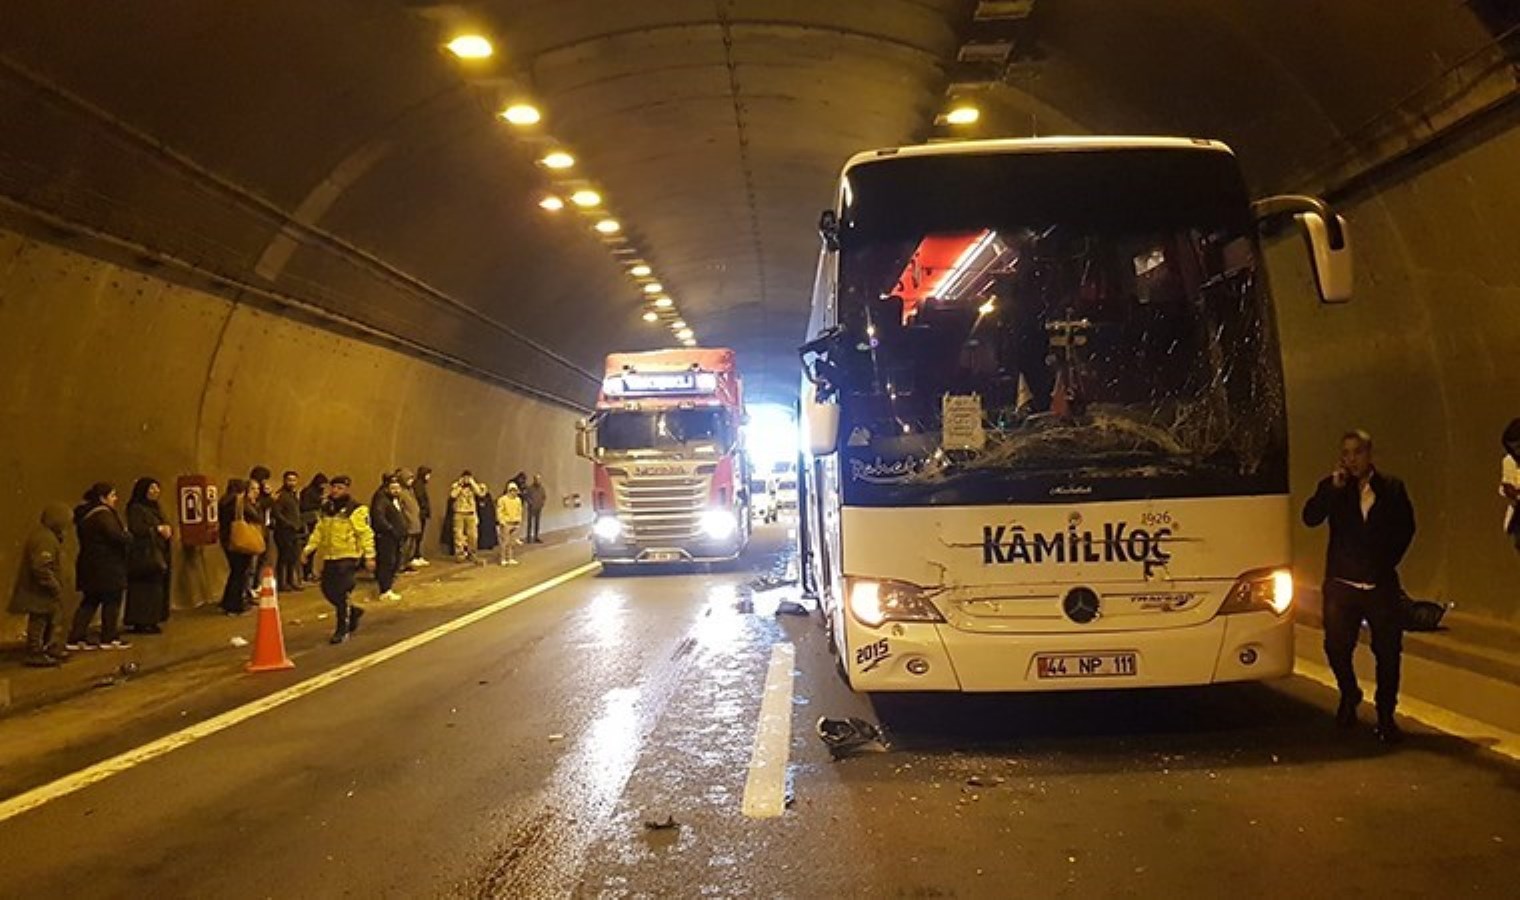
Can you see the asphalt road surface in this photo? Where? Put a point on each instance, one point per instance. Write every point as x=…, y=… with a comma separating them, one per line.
x=530, y=753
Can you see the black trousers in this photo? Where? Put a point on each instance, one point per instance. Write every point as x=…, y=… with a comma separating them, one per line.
x=535, y=519
x=235, y=593
x=1346, y=608
x=39, y=633
x=288, y=545
x=387, y=560
x=338, y=577
x=109, y=604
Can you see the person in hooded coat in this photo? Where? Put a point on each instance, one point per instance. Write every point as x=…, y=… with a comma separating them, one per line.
x=148, y=560
x=411, y=548
x=311, y=499
x=1509, y=480
x=40, y=587
x=485, y=506
x=100, y=572
x=424, y=508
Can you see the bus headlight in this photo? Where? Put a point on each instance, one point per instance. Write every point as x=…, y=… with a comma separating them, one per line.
x=876, y=602
x=1262, y=589
x=719, y=524
x=607, y=528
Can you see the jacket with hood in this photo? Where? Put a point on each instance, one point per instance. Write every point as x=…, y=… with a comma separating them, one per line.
x=40, y=587
x=343, y=532
x=509, y=508
x=419, y=488
x=409, y=504
x=103, y=545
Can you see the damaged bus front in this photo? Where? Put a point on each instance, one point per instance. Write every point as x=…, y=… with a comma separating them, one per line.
x=1046, y=418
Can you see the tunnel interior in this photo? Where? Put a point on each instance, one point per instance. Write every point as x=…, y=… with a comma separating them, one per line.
x=304, y=235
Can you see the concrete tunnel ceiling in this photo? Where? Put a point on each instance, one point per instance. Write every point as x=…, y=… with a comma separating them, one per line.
x=334, y=159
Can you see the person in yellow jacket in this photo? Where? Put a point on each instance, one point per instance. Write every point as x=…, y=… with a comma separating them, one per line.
x=509, y=518
x=344, y=539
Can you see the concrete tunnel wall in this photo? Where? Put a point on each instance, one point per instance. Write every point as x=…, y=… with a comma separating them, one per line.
x=114, y=374
x=1426, y=357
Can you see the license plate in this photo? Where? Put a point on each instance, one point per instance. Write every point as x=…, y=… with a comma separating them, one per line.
x=1087, y=665
x=664, y=556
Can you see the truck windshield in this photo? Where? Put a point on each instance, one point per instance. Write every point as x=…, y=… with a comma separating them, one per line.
x=692, y=430
x=1056, y=326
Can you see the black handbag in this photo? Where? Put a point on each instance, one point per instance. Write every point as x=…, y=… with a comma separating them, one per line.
x=1421, y=615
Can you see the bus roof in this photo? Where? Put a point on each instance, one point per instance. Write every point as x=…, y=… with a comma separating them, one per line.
x=1038, y=145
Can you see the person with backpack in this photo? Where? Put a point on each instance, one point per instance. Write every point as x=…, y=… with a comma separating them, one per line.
x=345, y=541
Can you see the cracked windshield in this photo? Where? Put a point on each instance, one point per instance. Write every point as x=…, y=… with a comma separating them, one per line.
x=1009, y=337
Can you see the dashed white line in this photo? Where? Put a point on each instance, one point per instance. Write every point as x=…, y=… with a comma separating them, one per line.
x=765, y=786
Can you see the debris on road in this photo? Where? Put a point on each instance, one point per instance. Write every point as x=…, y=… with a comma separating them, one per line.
x=984, y=781
x=790, y=608
x=846, y=736
x=669, y=823
x=239, y=641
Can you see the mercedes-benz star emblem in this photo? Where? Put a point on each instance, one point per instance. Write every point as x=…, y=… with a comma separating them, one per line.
x=1081, y=605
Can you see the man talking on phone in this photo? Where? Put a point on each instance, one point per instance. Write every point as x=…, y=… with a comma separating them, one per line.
x=1371, y=526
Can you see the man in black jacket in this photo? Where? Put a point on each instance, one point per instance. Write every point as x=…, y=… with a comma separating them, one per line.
x=1371, y=526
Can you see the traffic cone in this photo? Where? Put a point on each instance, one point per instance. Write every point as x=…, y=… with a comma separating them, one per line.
x=269, y=639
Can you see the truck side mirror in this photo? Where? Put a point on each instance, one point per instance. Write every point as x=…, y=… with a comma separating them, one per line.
x=1325, y=231
x=583, y=440
x=820, y=423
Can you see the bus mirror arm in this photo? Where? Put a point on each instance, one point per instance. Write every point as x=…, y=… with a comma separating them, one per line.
x=1325, y=231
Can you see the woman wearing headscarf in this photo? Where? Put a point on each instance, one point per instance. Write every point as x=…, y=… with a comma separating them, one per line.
x=100, y=572
x=148, y=560
x=240, y=501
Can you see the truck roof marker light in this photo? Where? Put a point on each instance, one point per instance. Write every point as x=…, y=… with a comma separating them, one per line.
x=559, y=159
x=664, y=302
x=522, y=114
x=586, y=198
x=552, y=203
x=651, y=316
x=609, y=226
x=470, y=46
x=653, y=287
x=641, y=270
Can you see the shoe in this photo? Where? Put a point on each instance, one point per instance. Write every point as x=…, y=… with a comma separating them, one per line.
x=338, y=638
x=82, y=645
x=504, y=563
x=419, y=563
x=391, y=596
x=57, y=652
x=354, y=615
x=512, y=562
x=1388, y=731
x=1345, y=714
x=117, y=644
x=41, y=661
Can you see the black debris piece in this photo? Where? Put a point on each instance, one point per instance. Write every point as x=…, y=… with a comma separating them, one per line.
x=844, y=737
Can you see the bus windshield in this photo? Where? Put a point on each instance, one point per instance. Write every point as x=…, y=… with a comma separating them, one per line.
x=1055, y=326
x=691, y=430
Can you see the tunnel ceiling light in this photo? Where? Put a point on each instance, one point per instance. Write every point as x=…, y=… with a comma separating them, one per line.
x=559, y=159
x=653, y=287
x=678, y=324
x=522, y=114
x=586, y=198
x=641, y=271
x=609, y=226
x=686, y=334
x=664, y=302
x=651, y=316
x=471, y=46
x=552, y=203
x=963, y=115
x=690, y=342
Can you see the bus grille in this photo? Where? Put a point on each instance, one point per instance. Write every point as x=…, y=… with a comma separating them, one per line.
x=662, y=508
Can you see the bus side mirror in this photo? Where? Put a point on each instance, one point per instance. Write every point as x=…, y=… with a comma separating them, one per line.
x=1325, y=231
x=828, y=229
x=583, y=442
x=820, y=423
x=1331, y=258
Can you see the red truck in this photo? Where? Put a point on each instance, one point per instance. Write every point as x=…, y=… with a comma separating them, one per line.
x=671, y=477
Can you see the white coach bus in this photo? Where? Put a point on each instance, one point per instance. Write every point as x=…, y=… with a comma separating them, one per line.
x=1044, y=426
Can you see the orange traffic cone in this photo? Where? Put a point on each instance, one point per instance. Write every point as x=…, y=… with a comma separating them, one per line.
x=269, y=639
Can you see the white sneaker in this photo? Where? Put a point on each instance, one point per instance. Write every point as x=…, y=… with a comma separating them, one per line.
x=420, y=563
x=391, y=596
x=511, y=562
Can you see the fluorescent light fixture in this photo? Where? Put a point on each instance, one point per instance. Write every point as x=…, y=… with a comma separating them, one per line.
x=470, y=46
x=686, y=334
x=609, y=226
x=559, y=159
x=552, y=203
x=963, y=115
x=641, y=271
x=653, y=287
x=522, y=114
x=664, y=302
x=651, y=316
x=586, y=198
x=678, y=324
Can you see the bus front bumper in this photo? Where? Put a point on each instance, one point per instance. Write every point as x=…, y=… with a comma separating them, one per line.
x=1253, y=646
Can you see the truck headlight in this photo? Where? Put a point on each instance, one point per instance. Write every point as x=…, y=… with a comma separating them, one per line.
x=607, y=528
x=875, y=602
x=719, y=524
x=1261, y=589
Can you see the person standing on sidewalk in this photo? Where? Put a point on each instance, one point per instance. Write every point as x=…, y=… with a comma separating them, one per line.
x=345, y=541
x=389, y=523
x=1371, y=527
x=239, y=504
x=289, y=532
x=463, y=495
x=312, y=498
x=1509, y=481
x=509, y=517
x=148, y=561
x=100, y=572
x=424, y=509
x=535, y=498
x=411, y=548
x=39, y=590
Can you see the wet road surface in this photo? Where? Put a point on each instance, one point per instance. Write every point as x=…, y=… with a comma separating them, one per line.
x=528, y=754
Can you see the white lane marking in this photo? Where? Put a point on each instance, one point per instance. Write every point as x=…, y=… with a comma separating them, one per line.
x=82, y=779
x=1490, y=737
x=765, y=788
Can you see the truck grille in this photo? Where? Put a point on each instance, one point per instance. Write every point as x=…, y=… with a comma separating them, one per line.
x=658, y=508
